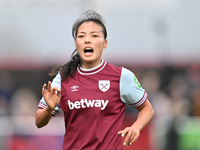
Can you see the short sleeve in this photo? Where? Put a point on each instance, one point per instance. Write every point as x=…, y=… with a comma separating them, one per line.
x=131, y=91
x=55, y=83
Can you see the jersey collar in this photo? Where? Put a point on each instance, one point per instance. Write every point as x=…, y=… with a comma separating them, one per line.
x=92, y=70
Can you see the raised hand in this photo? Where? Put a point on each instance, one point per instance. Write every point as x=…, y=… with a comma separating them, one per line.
x=51, y=96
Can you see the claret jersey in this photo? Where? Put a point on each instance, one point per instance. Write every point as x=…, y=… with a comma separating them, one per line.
x=93, y=102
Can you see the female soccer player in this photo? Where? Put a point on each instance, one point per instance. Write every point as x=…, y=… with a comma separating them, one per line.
x=93, y=93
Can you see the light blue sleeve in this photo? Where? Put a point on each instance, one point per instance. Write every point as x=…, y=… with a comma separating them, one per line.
x=55, y=83
x=131, y=91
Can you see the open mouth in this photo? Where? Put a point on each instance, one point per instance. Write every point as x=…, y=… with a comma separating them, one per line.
x=88, y=50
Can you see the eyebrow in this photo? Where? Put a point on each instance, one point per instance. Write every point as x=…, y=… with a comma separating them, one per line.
x=91, y=32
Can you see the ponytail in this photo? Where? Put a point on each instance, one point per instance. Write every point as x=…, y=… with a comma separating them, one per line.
x=69, y=68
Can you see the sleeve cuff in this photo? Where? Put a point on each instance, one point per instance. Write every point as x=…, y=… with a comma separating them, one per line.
x=141, y=101
x=55, y=111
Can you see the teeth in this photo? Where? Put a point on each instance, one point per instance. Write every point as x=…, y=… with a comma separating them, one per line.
x=88, y=48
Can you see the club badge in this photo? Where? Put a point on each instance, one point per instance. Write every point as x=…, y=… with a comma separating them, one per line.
x=104, y=85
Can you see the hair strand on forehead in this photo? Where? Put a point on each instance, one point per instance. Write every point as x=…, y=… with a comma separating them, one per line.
x=89, y=15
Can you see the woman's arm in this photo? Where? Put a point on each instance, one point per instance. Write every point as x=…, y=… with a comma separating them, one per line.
x=42, y=117
x=146, y=113
x=52, y=98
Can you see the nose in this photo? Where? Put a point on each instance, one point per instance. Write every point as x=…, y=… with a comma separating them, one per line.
x=87, y=40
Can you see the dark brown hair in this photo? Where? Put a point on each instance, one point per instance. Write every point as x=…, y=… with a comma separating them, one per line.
x=70, y=67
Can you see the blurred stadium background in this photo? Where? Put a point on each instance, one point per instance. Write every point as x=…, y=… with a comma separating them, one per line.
x=158, y=40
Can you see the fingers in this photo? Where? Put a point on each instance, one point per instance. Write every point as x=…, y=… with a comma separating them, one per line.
x=127, y=133
x=122, y=133
x=49, y=87
x=133, y=138
x=56, y=90
x=130, y=136
x=44, y=88
x=59, y=92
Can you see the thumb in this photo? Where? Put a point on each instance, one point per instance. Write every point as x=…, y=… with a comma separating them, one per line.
x=59, y=92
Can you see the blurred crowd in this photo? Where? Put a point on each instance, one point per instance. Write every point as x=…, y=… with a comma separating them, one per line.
x=175, y=96
x=173, y=91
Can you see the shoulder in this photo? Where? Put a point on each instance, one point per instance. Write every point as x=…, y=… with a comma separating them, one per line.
x=57, y=80
x=131, y=91
x=128, y=76
x=127, y=73
x=113, y=67
x=58, y=76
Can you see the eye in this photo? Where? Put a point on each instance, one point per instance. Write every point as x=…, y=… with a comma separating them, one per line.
x=95, y=35
x=80, y=36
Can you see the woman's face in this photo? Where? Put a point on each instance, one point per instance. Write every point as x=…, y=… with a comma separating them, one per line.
x=90, y=43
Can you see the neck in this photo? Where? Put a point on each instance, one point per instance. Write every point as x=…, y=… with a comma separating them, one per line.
x=89, y=65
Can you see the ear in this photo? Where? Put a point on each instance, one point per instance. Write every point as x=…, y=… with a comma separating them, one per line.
x=105, y=43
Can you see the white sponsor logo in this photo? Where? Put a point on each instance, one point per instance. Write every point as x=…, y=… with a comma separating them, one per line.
x=74, y=88
x=104, y=85
x=84, y=103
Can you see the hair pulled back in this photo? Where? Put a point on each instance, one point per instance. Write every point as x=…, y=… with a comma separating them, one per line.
x=69, y=68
